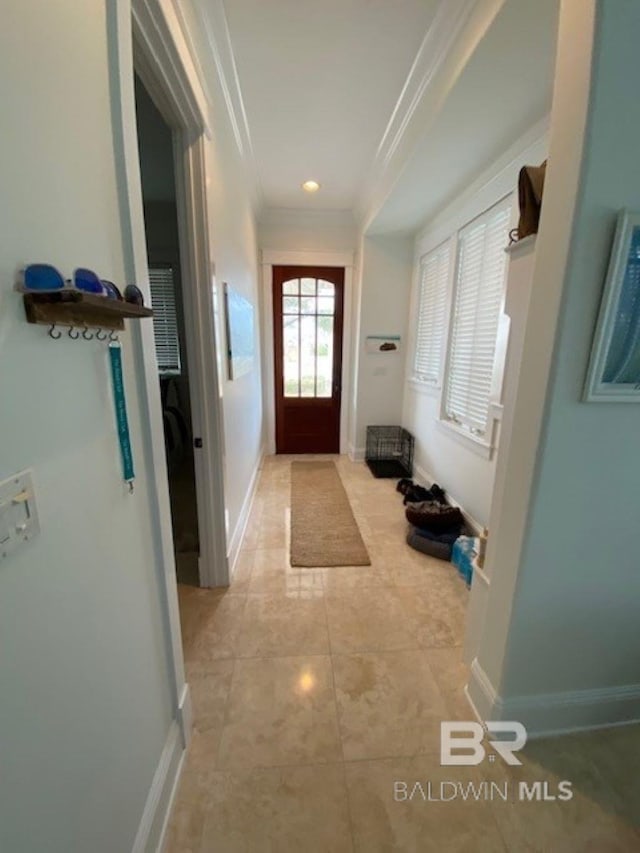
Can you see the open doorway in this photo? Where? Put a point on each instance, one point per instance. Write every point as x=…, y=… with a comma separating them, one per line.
x=159, y=195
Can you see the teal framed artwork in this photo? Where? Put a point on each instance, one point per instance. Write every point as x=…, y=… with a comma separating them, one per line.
x=614, y=368
x=239, y=321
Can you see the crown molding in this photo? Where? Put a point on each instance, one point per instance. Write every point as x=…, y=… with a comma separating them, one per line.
x=457, y=28
x=444, y=29
x=215, y=27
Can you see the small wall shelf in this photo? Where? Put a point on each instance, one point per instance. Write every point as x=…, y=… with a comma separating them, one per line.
x=520, y=246
x=75, y=308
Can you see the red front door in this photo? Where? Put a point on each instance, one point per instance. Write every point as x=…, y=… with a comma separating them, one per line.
x=307, y=318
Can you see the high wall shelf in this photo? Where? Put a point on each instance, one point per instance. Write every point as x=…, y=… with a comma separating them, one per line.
x=81, y=310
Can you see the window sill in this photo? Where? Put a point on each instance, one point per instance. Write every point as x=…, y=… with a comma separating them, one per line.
x=423, y=387
x=462, y=436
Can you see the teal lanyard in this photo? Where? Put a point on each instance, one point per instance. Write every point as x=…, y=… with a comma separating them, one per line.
x=115, y=356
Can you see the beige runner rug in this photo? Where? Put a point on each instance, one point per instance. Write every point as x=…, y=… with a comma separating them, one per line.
x=323, y=529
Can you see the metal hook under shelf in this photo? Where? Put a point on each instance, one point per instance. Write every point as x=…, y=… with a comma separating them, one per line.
x=101, y=335
x=113, y=338
x=86, y=335
x=52, y=332
x=73, y=329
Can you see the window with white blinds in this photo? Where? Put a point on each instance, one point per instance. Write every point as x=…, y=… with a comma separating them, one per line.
x=477, y=301
x=165, y=320
x=432, y=310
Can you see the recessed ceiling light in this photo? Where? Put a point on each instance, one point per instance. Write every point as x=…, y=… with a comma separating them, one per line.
x=311, y=186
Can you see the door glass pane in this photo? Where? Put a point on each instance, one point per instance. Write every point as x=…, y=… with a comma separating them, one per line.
x=308, y=305
x=325, y=305
x=324, y=378
x=291, y=356
x=325, y=288
x=307, y=356
x=307, y=335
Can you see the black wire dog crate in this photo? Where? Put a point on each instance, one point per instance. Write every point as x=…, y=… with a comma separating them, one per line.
x=389, y=451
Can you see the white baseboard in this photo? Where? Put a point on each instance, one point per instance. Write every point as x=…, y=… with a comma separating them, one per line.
x=153, y=825
x=356, y=454
x=185, y=715
x=427, y=479
x=424, y=478
x=236, y=539
x=481, y=694
x=555, y=713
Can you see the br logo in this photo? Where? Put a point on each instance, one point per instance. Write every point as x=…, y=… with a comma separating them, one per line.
x=461, y=743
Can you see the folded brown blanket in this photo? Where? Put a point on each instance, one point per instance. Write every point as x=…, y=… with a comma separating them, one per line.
x=431, y=515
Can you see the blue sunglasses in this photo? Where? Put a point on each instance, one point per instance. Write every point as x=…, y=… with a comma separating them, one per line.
x=111, y=291
x=43, y=278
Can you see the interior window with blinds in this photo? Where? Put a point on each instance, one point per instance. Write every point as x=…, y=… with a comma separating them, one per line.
x=432, y=308
x=477, y=301
x=165, y=320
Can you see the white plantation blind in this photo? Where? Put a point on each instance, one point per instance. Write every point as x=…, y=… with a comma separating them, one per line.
x=479, y=284
x=165, y=321
x=432, y=308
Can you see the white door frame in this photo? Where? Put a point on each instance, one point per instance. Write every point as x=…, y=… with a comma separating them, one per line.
x=178, y=96
x=164, y=67
x=274, y=257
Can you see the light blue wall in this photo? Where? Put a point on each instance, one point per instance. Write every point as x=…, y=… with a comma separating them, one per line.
x=575, y=617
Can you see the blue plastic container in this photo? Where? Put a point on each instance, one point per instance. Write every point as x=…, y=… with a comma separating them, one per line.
x=464, y=552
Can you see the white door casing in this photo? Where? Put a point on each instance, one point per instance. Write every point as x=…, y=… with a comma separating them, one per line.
x=150, y=29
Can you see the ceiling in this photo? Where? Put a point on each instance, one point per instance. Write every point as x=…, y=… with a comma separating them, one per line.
x=322, y=87
x=505, y=89
x=319, y=81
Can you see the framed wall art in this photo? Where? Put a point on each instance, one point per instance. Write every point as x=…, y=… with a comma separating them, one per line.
x=240, y=333
x=614, y=368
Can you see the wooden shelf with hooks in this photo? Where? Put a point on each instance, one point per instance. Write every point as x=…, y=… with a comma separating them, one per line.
x=82, y=310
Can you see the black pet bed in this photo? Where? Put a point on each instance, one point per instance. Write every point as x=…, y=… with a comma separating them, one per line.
x=434, y=545
x=387, y=468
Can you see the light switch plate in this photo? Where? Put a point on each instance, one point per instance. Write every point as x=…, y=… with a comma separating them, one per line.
x=18, y=513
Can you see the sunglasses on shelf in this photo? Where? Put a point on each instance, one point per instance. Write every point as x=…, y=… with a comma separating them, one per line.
x=111, y=291
x=44, y=278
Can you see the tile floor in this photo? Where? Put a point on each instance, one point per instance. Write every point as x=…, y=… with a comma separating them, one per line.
x=318, y=694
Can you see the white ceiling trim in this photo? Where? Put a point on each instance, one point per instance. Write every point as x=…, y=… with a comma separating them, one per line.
x=457, y=28
x=216, y=29
x=445, y=28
